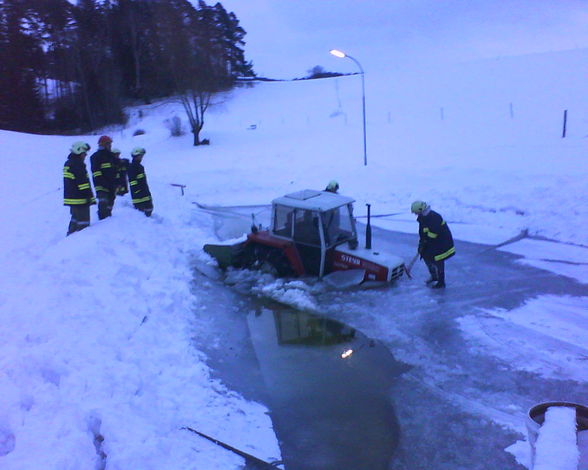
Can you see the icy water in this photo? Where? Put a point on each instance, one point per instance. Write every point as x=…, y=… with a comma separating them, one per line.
x=457, y=407
x=327, y=385
x=329, y=388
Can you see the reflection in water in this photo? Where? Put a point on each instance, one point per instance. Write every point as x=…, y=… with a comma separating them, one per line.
x=303, y=328
x=329, y=413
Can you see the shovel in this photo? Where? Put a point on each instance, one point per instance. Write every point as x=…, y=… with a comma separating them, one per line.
x=408, y=267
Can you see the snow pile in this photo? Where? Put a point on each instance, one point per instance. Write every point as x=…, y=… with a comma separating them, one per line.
x=97, y=362
x=556, y=447
x=294, y=293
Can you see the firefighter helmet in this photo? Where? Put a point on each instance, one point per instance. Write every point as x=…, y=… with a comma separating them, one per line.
x=115, y=151
x=418, y=207
x=138, y=151
x=332, y=187
x=77, y=148
x=104, y=140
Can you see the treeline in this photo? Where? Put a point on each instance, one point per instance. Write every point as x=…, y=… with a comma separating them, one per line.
x=73, y=67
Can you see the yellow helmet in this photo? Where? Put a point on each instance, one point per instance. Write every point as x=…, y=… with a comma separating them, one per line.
x=332, y=187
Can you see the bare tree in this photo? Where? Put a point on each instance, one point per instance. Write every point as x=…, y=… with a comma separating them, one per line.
x=195, y=103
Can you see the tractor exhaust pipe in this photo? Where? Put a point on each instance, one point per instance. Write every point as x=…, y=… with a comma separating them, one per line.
x=368, y=229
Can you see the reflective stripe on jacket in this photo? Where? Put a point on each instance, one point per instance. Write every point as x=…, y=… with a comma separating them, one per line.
x=76, y=183
x=104, y=170
x=435, y=237
x=138, y=181
x=121, y=173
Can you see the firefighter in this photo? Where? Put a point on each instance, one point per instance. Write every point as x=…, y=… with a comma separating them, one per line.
x=332, y=187
x=122, y=186
x=435, y=242
x=104, y=170
x=140, y=193
x=77, y=193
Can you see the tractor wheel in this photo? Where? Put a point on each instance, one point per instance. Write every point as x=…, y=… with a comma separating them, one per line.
x=274, y=262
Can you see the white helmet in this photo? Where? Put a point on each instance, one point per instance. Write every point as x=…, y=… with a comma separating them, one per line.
x=77, y=148
x=418, y=207
x=138, y=151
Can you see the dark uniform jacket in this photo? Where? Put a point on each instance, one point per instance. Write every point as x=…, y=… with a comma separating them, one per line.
x=104, y=170
x=436, y=241
x=138, y=182
x=121, y=175
x=76, y=183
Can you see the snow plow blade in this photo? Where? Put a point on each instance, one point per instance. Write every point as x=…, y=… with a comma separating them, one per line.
x=345, y=279
x=227, y=255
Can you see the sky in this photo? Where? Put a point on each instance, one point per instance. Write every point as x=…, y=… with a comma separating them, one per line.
x=287, y=38
x=99, y=358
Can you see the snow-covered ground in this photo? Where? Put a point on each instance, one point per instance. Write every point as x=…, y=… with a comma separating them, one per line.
x=97, y=356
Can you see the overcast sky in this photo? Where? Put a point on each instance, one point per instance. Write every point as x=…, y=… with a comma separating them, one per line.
x=285, y=38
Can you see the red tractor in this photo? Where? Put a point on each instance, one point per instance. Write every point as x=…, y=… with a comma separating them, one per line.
x=312, y=233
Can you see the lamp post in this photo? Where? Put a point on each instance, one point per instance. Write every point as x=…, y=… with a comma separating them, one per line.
x=342, y=55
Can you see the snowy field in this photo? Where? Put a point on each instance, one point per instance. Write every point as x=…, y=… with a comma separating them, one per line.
x=98, y=367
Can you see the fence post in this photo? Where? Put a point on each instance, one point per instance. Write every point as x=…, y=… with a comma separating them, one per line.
x=565, y=123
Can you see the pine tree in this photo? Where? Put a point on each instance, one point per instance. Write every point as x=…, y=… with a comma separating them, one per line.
x=20, y=55
x=66, y=65
x=96, y=73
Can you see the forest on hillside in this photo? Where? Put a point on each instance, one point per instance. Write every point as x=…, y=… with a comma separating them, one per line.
x=66, y=67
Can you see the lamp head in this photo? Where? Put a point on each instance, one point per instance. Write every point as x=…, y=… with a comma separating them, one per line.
x=338, y=53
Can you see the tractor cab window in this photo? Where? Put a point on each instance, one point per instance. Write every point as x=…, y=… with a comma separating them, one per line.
x=283, y=221
x=337, y=225
x=299, y=224
x=306, y=227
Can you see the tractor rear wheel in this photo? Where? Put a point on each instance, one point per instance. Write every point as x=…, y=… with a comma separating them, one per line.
x=273, y=261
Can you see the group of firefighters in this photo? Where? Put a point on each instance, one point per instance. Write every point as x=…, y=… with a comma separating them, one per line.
x=110, y=175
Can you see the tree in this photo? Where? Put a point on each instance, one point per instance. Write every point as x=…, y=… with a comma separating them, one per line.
x=232, y=38
x=196, y=104
x=96, y=71
x=319, y=71
x=66, y=65
x=20, y=55
x=215, y=61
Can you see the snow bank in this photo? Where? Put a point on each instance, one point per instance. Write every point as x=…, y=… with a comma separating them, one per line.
x=97, y=362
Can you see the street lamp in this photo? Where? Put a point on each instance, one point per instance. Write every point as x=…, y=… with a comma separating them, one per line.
x=342, y=55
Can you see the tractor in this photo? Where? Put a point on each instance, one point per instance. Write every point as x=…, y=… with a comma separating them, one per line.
x=312, y=233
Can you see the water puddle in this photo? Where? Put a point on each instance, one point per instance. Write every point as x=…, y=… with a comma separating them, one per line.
x=328, y=387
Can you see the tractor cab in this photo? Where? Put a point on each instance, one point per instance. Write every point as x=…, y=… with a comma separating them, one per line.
x=315, y=221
